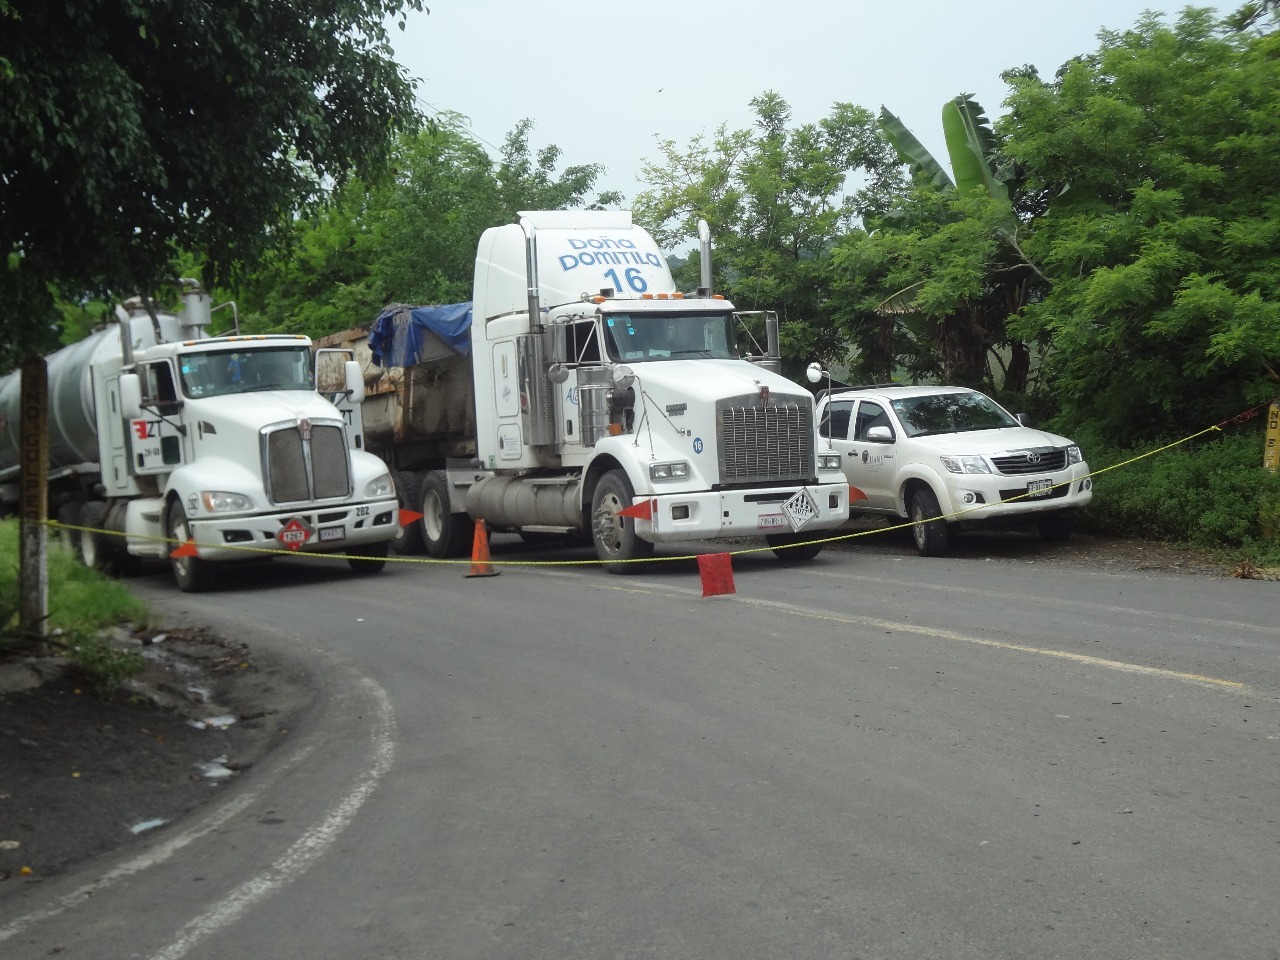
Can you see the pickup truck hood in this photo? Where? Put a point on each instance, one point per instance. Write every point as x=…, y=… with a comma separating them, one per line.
x=989, y=442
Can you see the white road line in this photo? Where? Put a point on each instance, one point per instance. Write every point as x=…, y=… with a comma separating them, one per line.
x=307, y=849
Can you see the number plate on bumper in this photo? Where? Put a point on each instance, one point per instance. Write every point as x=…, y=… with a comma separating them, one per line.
x=1039, y=488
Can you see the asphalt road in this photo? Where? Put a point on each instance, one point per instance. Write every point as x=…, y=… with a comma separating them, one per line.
x=874, y=755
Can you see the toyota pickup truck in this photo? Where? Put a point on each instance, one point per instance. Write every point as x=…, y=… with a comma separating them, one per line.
x=949, y=458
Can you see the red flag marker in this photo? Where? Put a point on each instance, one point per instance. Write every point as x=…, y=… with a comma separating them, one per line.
x=187, y=549
x=639, y=511
x=717, y=574
x=855, y=494
x=409, y=517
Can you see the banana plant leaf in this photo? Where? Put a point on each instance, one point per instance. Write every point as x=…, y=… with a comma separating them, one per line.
x=971, y=143
x=913, y=152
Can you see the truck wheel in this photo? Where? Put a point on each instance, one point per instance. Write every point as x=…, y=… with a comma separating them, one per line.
x=929, y=530
x=95, y=546
x=615, y=537
x=1056, y=527
x=191, y=573
x=781, y=544
x=409, y=490
x=444, y=533
x=371, y=559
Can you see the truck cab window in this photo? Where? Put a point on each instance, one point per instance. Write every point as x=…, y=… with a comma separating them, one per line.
x=584, y=344
x=157, y=383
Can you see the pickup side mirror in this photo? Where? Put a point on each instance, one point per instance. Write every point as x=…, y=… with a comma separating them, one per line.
x=880, y=435
x=354, y=379
x=130, y=396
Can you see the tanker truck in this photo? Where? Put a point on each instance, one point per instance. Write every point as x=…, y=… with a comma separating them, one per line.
x=580, y=394
x=160, y=436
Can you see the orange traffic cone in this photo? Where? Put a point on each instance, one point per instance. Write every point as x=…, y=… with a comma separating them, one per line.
x=480, y=565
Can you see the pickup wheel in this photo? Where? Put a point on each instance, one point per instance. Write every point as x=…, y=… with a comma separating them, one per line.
x=929, y=530
x=445, y=534
x=1056, y=527
x=615, y=537
x=192, y=574
x=410, y=542
x=783, y=546
x=369, y=559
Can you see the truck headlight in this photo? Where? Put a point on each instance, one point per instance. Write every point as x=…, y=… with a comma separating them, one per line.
x=828, y=461
x=1074, y=455
x=221, y=501
x=675, y=470
x=965, y=464
x=384, y=486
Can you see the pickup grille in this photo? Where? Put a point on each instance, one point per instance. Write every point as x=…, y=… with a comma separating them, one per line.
x=765, y=443
x=1045, y=460
x=298, y=468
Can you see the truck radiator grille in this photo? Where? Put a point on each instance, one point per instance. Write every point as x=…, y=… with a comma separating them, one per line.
x=1045, y=460
x=299, y=469
x=764, y=444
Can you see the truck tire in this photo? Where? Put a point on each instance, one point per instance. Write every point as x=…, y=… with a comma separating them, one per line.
x=1056, y=527
x=783, y=549
x=615, y=537
x=929, y=530
x=444, y=533
x=192, y=574
x=369, y=559
x=95, y=547
x=409, y=490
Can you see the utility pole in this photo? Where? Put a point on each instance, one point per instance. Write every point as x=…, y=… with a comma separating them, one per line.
x=33, y=570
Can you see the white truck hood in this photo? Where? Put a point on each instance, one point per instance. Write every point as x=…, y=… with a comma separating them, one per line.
x=707, y=381
x=991, y=442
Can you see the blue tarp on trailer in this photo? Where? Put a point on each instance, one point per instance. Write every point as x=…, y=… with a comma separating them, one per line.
x=400, y=335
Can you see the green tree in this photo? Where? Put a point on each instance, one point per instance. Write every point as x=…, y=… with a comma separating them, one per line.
x=1159, y=151
x=133, y=130
x=777, y=198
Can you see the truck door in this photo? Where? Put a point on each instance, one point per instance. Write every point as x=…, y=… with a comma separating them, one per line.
x=331, y=383
x=157, y=441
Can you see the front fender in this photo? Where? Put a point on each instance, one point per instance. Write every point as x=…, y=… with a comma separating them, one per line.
x=935, y=481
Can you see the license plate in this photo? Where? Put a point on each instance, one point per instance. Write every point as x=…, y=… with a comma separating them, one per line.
x=1039, y=488
x=800, y=509
x=771, y=520
x=333, y=533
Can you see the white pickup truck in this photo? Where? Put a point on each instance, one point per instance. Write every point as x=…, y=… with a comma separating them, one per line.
x=949, y=458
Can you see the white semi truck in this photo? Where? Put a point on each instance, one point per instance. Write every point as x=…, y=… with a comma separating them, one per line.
x=159, y=435
x=580, y=394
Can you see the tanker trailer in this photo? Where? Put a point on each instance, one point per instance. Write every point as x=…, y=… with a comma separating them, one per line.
x=160, y=436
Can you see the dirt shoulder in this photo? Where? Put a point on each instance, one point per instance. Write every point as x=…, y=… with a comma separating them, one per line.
x=81, y=776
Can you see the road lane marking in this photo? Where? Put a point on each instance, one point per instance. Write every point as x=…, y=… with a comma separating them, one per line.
x=308, y=848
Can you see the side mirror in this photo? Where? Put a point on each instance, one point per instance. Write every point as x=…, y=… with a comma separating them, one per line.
x=880, y=435
x=354, y=380
x=130, y=396
x=1023, y=418
x=814, y=372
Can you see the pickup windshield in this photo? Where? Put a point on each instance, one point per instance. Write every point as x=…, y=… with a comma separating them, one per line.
x=676, y=335
x=950, y=413
x=217, y=373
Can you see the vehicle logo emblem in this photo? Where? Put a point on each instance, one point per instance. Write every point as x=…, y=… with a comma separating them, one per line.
x=304, y=428
x=764, y=396
x=1033, y=458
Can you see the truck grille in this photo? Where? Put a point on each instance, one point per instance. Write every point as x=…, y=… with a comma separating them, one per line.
x=1044, y=460
x=765, y=444
x=312, y=468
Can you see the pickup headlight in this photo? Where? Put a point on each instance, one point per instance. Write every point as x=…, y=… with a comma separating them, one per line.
x=966, y=464
x=828, y=461
x=1074, y=455
x=675, y=470
x=221, y=501
x=384, y=486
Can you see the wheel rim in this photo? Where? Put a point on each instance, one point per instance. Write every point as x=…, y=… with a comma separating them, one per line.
x=609, y=526
x=919, y=531
x=181, y=532
x=433, y=516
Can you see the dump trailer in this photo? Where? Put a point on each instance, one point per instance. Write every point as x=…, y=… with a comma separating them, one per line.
x=161, y=437
x=580, y=394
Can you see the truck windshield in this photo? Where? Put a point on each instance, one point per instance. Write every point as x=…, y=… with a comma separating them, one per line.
x=676, y=335
x=216, y=373
x=950, y=413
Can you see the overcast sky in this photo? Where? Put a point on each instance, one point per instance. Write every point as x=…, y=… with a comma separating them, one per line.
x=603, y=79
